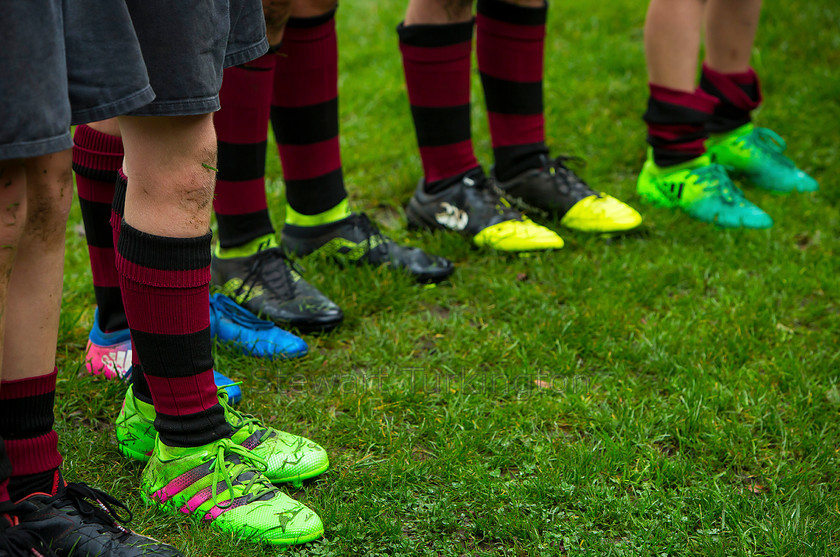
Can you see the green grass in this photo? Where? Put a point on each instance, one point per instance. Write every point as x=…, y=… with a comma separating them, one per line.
x=671, y=393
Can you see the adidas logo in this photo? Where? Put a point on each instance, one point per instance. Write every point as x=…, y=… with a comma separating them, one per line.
x=672, y=189
x=452, y=217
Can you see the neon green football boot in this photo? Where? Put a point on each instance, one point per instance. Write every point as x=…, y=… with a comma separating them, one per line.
x=222, y=483
x=289, y=458
x=757, y=155
x=701, y=189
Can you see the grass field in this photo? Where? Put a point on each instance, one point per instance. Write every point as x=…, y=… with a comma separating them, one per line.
x=671, y=393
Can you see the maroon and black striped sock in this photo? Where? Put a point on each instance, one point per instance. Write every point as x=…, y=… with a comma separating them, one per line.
x=138, y=379
x=96, y=158
x=510, y=43
x=165, y=284
x=677, y=124
x=242, y=133
x=5, y=473
x=304, y=114
x=738, y=95
x=436, y=61
x=31, y=443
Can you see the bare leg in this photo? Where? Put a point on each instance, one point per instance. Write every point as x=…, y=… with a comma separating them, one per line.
x=526, y=3
x=171, y=166
x=12, y=220
x=276, y=15
x=435, y=12
x=110, y=126
x=36, y=282
x=672, y=42
x=312, y=8
x=730, y=32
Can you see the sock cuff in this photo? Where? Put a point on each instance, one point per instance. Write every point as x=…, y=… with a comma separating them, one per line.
x=438, y=35
x=309, y=28
x=698, y=100
x=163, y=261
x=29, y=387
x=513, y=14
x=34, y=455
x=731, y=87
x=89, y=140
x=96, y=155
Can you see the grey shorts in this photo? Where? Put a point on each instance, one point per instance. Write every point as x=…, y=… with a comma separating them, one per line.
x=64, y=63
x=186, y=44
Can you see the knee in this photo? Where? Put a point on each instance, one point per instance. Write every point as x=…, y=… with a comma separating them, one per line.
x=195, y=191
x=457, y=10
x=459, y=6
x=276, y=14
x=312, y=8
x=48, y=207
x=12, y=201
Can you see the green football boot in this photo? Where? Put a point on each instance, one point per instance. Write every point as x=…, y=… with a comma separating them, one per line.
x=757, y=155
x=702, y=190
x=223, y=484
x=289, y=458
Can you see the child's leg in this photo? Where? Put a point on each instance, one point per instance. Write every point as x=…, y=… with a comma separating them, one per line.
x=730, y=33
x=754, y=154
x=672, y=42
x=13, y=218
x=304, y=115
x=678, y=173
x=510, y=41
x=727, y=75
x=677, y=111
x=29, y=346
x=97, y=156
x=27, y=390
x=242, y=128
x=436, y=46
x=246, y=233
x=163, y=259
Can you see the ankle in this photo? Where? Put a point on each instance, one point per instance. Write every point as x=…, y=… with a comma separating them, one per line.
x=48, y=482
x=249, y=248
x=336, y=213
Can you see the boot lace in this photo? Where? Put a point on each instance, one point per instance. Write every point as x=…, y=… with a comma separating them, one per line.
x=276, y=275
x=717, y=182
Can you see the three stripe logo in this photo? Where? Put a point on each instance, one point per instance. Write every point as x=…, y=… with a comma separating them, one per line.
x=673, y=189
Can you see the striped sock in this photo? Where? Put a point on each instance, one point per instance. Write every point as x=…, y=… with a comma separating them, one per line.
x=138, y=378
x=5, y=473
x=677, y=124
x=738, y=95
x=304, y=116
x=26, y=425
x=96, y=159
x=436, y=61
x=242, y=133
x=510, y=42
x=165, y=284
